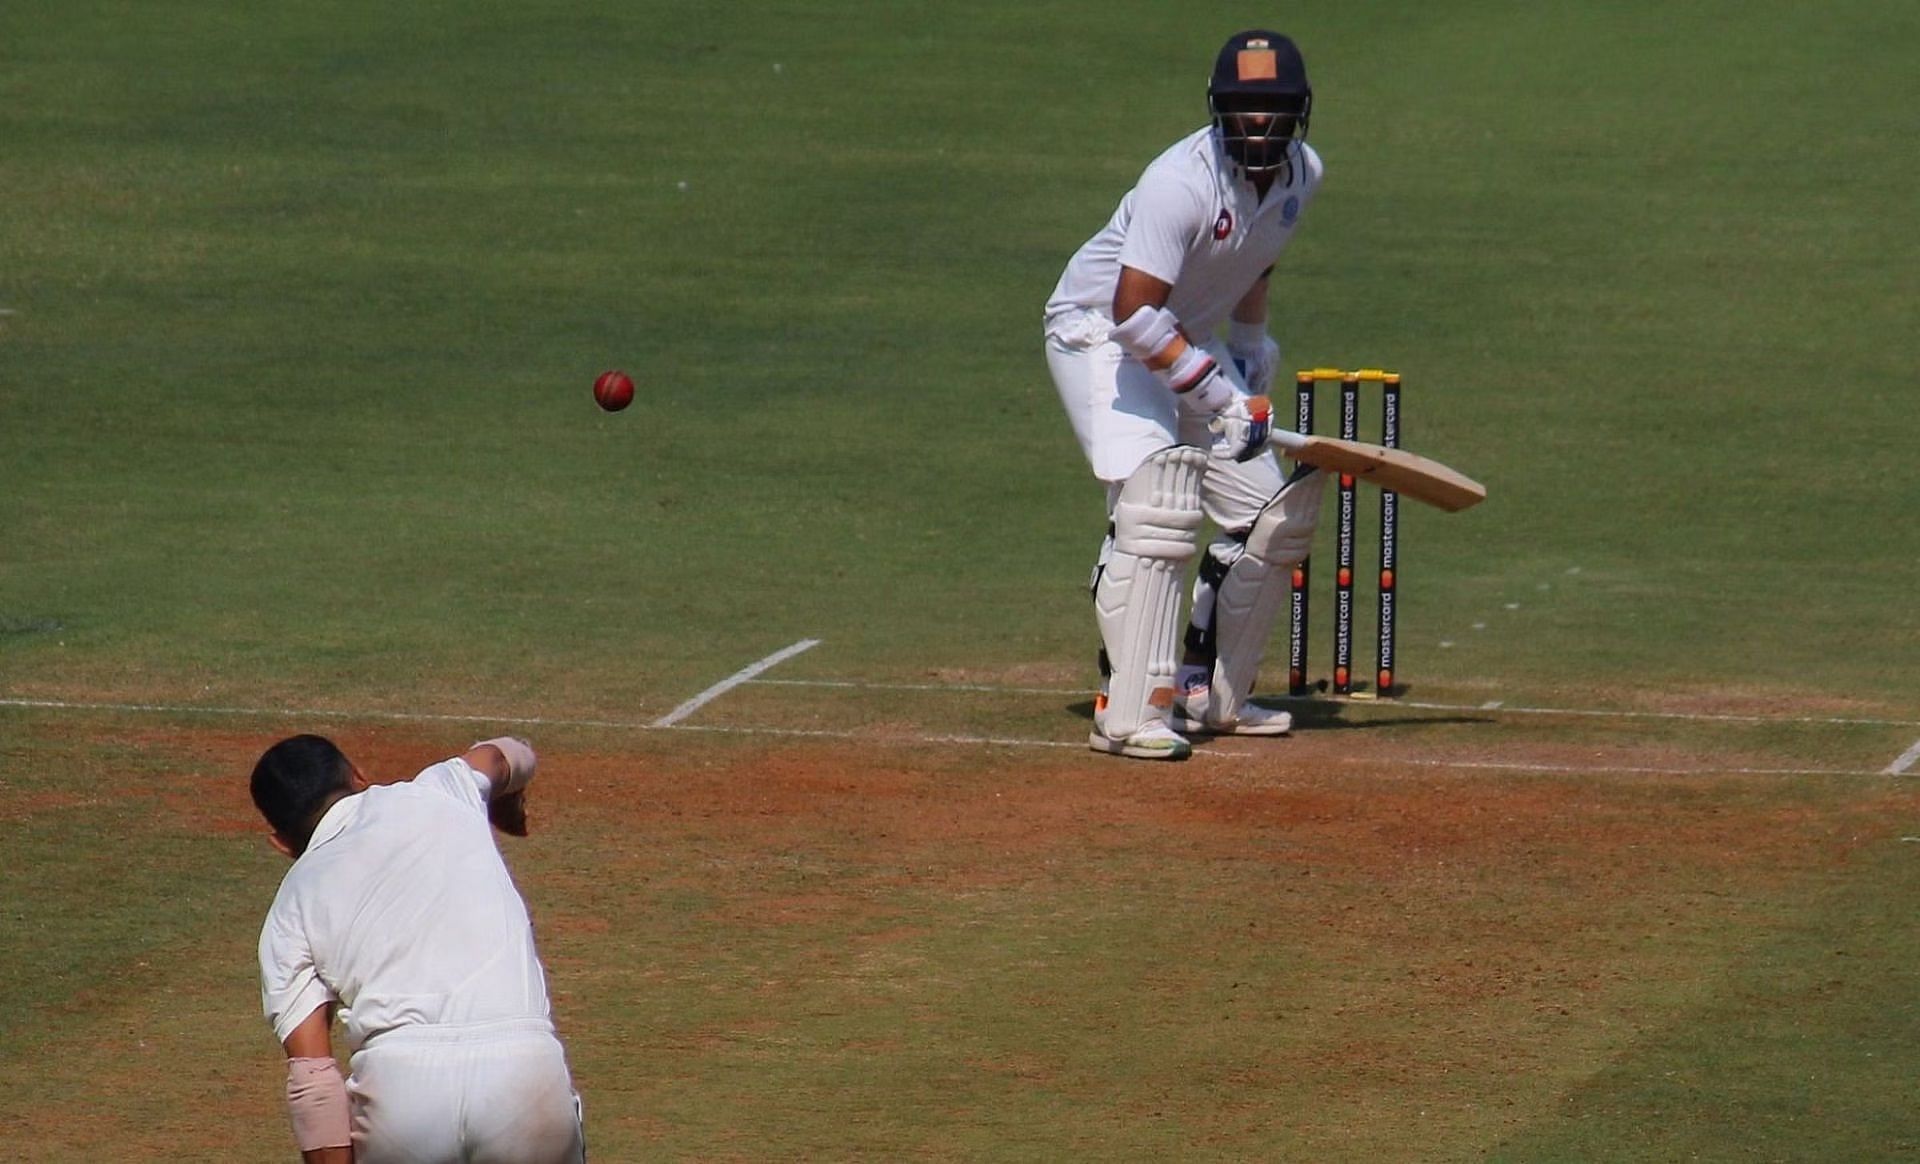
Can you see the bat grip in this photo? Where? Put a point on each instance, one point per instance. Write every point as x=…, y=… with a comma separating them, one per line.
x=1285, y=438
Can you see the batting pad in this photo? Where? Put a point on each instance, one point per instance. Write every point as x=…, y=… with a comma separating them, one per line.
x=1250, y=594
x=1156, y=528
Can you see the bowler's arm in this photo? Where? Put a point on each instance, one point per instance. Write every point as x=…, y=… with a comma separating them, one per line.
x=316, y=1095
x=508, y=765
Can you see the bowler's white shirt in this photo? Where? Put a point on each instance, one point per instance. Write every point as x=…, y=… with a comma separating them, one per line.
x=1192, y=222
x=402, y=911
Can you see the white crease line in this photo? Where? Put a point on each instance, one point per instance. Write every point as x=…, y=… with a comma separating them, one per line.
x=1626, y=769
x=1382, y=704
x=317, y=713
x=1700, y=716
x=538, y=721
x=869, y=737
x=732, y=681
x=874, y=738
x=987, y=687
x=1906, y=760
x=830, y=734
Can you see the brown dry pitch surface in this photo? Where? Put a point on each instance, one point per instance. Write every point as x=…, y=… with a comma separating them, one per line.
x=768, y=949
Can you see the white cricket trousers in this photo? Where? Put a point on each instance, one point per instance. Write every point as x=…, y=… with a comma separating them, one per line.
x=480, y=1093
x=1122, y=414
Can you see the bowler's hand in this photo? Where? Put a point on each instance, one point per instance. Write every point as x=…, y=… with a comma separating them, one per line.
x=1240, y=430
x=508, y=812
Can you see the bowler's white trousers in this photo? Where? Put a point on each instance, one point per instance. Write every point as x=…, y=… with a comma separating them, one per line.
x=479, y=1093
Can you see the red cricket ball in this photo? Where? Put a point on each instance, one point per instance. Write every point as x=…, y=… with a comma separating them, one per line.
x=613, y=390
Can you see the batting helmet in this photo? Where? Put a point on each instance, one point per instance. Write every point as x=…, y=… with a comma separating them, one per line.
x=1260, y=100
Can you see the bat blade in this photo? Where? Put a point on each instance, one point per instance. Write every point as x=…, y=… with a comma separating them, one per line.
x=1409, y=474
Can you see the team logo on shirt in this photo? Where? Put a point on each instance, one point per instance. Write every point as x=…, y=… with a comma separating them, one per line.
x=1223, y=225
x=1290, y=210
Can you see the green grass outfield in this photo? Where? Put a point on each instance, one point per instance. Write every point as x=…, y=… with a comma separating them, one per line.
x=302, y=305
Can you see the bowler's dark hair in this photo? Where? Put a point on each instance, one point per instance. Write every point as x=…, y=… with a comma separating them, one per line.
x=292, y=782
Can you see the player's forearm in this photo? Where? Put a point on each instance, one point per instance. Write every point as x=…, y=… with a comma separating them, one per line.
x=508, y=764
x=1252, y=307
x=507, y=761
x=322, y=1114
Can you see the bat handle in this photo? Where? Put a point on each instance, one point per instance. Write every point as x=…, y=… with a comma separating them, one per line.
x=1285, y=438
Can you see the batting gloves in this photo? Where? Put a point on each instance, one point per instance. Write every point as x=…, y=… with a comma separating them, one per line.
x=1240, y=431
x=1255, y=354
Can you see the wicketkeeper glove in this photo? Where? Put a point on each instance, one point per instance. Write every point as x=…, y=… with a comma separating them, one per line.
x=1241, y=429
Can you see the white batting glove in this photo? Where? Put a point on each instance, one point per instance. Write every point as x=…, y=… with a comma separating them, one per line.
x=1241, y=429
x=1255, y=354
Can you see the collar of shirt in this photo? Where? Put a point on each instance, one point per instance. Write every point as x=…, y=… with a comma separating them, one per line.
x=334, y=821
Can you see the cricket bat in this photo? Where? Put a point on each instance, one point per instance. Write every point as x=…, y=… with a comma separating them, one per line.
x=1405, y=473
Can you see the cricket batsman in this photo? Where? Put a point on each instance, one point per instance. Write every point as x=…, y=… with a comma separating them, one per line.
x=1173, y=418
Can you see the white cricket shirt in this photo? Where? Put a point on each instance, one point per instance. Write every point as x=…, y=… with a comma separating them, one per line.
x=1193, y=222
x=402, y=911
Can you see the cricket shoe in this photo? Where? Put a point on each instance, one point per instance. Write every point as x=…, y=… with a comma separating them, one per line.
x=1190, y=715
x=1153, y=741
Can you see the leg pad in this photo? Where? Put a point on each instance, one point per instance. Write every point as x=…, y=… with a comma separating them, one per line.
x=1137, y=594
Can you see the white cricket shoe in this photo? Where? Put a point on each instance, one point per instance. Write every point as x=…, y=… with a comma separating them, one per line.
x=1155, y=741
x=1190, y=715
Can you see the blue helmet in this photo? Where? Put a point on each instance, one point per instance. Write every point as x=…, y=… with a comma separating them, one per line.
x=1260, y=100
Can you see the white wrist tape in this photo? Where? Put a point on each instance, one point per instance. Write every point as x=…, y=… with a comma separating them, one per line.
x=1152, y=336
x=317, y=1101
x=520, y=761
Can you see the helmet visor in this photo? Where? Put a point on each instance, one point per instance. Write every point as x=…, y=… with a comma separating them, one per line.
x=1256, y=129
